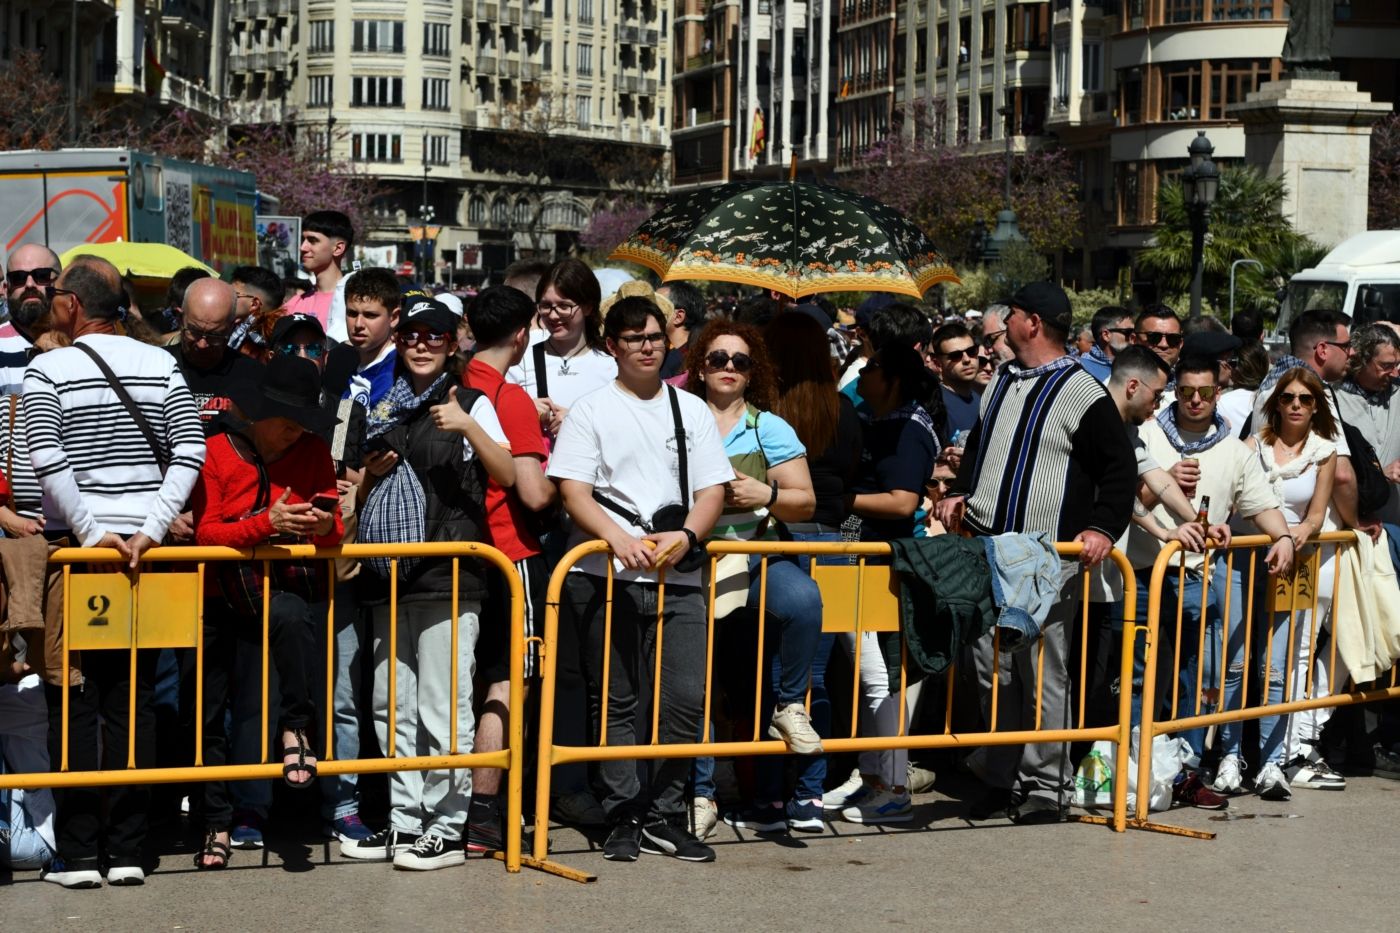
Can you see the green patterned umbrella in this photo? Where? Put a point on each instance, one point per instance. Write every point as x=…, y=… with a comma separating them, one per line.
x=798, y=239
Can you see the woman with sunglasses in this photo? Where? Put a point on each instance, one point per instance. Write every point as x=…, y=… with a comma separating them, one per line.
x=728, y=368
x=427, y=468
x=1296, y=449
x=572, y=359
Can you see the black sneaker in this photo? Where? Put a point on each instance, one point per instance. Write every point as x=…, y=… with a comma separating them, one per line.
x=381, y=847
x=484, y=826
x=664, y=839
x=997, y=803
x=625, y=841
x=1387, y=763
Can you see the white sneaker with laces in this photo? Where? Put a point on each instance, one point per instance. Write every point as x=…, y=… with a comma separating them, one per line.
x=792, y=724
x=430, y=852
x=852, y=791
x=1307, y=774
x=1270, y=784
x=704, y=816
x=1229, y=776
x=130, y=875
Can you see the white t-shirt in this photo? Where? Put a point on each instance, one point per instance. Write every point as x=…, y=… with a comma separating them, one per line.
x=625, y=448
x=852, y=373
x=569, y=379
x=485, y=416
x=1235, y=406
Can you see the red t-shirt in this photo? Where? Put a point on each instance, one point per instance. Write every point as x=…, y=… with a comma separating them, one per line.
x=505, y=513
x=227, y=488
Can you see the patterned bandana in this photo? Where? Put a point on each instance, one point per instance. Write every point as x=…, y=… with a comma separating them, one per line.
x=1098, y=356
x=1014, y=370
x=1166, y=418
x=399, y=400
x=1379, y=399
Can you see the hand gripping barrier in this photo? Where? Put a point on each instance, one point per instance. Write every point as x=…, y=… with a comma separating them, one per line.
x=112, y=611
x=859, y=596
x=1245, y=620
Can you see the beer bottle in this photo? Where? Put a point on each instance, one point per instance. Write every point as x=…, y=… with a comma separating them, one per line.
x=1203, y=515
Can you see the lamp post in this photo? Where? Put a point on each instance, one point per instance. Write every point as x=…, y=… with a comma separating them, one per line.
x=1199, y=185
x=1006, y=230
x=425, y=214
x=330, y=130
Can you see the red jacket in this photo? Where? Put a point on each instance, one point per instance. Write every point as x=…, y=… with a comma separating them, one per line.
x=227, y=488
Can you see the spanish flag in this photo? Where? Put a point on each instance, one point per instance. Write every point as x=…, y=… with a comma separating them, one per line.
x=155, y=72
x=757, y=142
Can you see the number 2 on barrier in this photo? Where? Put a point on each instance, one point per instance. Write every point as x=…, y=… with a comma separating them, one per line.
x=102, y=615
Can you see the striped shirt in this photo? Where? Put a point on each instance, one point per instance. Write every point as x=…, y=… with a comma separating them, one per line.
x=14, y=356
x=1050, y=454
x=15, y=462
x=97, y=471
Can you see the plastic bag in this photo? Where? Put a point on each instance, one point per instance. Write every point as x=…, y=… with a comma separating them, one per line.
x=1093, y=781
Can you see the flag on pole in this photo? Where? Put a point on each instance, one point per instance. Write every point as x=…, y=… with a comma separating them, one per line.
x=757, y=141
x=155, y=73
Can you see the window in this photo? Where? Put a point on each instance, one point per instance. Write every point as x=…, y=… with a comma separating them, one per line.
x=1242, y=9
x=1181, y=91
x=1184, y=11
x=564, y=214
x=1231, y=81
x=546, y=55
x=376, y=91
x=1092, y=77
x=378, y=35
x=522, y=214
x=585, y=59
x=476, y=210
x=583, y=111
x=500, y=214
x=1061, y=73
x=435, y=150
x=376, y=147
x=322, y=35
x=435, y=39
x=322, y=88
x=435, y=94
x=585, y=11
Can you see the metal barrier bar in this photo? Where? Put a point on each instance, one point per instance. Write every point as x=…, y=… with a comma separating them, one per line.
x=551, y=754
x=509, y=759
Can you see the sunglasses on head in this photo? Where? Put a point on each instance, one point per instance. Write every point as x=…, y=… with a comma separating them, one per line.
x=433, y=341
x=1157, y=338
x=43, y=276
x=1302, y=398
x=1189, y=392
x=719, y=359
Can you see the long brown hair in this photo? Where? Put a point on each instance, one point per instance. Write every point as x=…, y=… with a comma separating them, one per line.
x=1323, y=424
x=572, y=278
x=760, y=392
x=807, y=396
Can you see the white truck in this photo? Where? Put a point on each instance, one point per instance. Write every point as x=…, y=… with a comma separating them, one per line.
x=1360, y=277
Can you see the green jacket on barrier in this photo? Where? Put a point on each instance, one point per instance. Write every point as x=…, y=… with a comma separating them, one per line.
x=945, y=600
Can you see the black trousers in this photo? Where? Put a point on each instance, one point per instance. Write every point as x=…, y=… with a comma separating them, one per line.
x=99, y=725
x=291, y=641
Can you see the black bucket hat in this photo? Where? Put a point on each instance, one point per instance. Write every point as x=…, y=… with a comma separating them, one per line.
x=290, y=388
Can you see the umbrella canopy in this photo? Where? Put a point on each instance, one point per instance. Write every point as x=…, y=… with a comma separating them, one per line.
x=798, y=239
x=139, y=260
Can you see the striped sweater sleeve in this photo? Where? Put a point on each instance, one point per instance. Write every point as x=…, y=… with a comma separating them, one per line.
x=43, y=429
x=184, y=439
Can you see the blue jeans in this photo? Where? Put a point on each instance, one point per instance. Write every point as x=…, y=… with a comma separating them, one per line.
x=1272, y=729
x=26, y=816
x=1193, y=657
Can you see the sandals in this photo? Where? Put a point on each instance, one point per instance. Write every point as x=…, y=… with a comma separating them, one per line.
x=302, y=749
x=213, y=847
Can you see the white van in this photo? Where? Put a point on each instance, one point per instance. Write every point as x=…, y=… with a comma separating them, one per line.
x=1360, y=277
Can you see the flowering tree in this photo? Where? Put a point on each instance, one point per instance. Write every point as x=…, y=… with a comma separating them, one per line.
x=947, y=189
x=1384, y=207
x=608, y=229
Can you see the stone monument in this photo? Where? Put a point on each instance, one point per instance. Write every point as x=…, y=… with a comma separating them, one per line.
x=1313, y=130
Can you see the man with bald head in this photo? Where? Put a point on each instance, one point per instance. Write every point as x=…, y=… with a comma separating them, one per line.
x=30, y=267
x=203, y=353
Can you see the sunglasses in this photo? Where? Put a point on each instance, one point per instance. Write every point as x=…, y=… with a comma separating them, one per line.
x=1344, y=346
x=956, y=356
x=195, y=335
x=1157, y=338
x=719, y=359
x=938, y=483
x=1302, y=398
x=991, y=337
x=1121, y=331
x=986, y=362
x=429, y=339
x=311, y=350
x=636, y=341
x=43, y=276
x=1187, y=393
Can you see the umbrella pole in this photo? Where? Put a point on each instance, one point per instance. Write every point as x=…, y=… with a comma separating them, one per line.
x=792, y=168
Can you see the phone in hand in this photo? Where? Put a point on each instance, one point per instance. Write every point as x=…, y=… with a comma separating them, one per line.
x=325, y=503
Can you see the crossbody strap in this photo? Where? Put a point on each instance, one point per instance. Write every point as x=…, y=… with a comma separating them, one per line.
x=680, y=444
x=541, y=374
x=248, y=451
x=10, y=454
x=129, y=404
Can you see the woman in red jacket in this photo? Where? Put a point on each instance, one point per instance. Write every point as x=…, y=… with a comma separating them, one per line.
x=273, y=483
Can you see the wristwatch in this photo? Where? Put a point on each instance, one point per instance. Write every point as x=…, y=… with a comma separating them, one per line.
x=694, y=539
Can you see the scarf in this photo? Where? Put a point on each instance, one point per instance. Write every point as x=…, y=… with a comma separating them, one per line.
x=1379, y=399
x=1271, y=378
x=398, y=401
x=913, y=411
x=1166, y=419
x=1098, y=356
x=1315, y=450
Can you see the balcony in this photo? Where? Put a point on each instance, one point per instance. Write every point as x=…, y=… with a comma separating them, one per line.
x=511, y=15
x=629, y=34
x=486, y=64
x=468, y=9
x=257, y=61
x=529, y=71
x=177, y=91
x=534, y=19
x=643, y=86
x=238, y=61
x=255, y=111
x=277, y=60
x=646, y=135
x=490, y=11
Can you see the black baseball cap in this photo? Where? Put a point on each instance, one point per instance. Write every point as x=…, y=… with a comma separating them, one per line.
x=429, y=313
x=1047, y=301
x=1210, y=343
x=290, y=322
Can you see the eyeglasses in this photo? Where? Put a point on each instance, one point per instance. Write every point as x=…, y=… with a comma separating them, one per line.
x=1187, y=393
x=195, y=335
x=312, y=351
x=1156, y=338
x=241, y=295
x=719, y=359
x=1121, y=331
x=1304, y=399
x=935, y=482
x=51, y=291
x=1233, y=362
x=558, y=310
x=42, y=276
x=990, y=338
x=1344, y=346
x=429, y=339
x=956, y=356
x=637, y=341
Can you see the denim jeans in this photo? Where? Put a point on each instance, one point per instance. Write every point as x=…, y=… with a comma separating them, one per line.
x=1193, y=656
x=26, y=816
x=1272, y=647
x=631, y=663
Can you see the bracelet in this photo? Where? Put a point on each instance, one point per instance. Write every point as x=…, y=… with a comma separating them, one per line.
x=773, y=498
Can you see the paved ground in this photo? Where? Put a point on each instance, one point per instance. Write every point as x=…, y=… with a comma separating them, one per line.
x=1330, y=865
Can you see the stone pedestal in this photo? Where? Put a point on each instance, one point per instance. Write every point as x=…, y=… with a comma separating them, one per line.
x=1316, y=135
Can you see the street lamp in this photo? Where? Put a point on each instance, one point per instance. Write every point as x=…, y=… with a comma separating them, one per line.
x=330, y=130
x=425, y=214
x=1199, y=185
x=1006, y=230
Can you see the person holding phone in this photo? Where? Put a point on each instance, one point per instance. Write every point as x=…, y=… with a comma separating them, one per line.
x=273, y=481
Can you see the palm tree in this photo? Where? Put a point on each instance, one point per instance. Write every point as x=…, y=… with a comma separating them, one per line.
x=1246, y=222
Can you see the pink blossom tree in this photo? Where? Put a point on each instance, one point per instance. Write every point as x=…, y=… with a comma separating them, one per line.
x=608, y=229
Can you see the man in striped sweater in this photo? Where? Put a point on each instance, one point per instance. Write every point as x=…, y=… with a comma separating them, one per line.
x=106, y=485
x=1049, y=454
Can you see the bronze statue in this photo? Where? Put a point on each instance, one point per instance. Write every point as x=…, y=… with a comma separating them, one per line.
x=1309, y=42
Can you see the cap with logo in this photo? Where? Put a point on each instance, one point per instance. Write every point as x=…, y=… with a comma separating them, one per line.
x=428, y=313
x=290, y=322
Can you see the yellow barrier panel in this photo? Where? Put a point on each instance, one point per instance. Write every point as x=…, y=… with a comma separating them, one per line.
x=859, y=598
x=143, y=610
x=1296, y=594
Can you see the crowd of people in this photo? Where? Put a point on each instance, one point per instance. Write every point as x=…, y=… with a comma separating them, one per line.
x=545, y=413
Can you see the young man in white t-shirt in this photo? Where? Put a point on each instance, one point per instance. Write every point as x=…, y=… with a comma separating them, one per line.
x=620, y=443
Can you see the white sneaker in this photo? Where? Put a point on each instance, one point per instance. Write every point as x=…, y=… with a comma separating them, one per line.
x=883, y=806
x=1229, y=776
x=1270, y=784
x=1307, y=774
x=919, y=780
x=74, y=878
x=854, y=790
x=704, y=816
x=431, y=852
x=792, y=724
x=130, y=875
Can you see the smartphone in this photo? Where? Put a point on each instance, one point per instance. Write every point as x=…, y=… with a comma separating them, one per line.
x=326, y=503
x=379, y=444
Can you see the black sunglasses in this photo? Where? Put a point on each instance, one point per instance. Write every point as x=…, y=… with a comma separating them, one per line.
x=312, y=350
x=719, y=359
x=43, y=276
x=957, y=355
x=1154, y=338
x=213, y=340
x=991, y=337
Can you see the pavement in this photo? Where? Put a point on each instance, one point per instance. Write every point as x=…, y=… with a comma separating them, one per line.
x=1324, y=861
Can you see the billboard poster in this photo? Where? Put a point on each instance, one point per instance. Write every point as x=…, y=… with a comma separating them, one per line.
x=377, y=257
x=279, y=244
x=179, y=211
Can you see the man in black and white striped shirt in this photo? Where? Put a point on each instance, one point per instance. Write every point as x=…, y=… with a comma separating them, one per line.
x=105, y=486
x=1049, y=454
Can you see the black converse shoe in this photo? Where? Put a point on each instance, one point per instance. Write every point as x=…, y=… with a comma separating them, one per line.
x=383, y=846
x=431, y=852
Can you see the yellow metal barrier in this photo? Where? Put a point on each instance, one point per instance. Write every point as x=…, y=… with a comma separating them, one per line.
x=1297, y=594
x=107, y=611
x=858, y=597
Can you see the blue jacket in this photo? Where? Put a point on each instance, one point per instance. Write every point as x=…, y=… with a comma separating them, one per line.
x=1027, y=575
